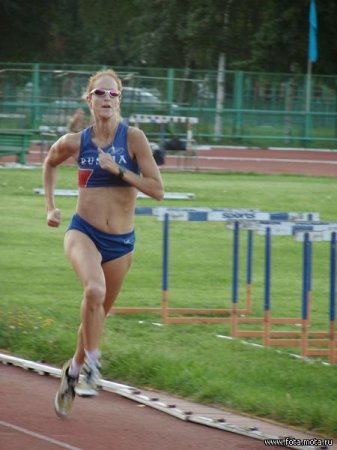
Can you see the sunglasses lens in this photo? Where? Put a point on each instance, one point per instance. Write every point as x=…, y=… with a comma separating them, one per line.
x=113, y=94
x=99, y=92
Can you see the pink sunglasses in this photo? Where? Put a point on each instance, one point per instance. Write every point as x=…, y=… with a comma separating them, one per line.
x=101, y=92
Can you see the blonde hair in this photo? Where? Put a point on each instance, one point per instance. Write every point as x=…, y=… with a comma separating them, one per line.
x=102, y=73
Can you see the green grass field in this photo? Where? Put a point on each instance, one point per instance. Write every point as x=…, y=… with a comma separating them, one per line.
x=40, y=296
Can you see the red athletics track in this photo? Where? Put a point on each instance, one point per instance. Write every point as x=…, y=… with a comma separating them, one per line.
x=268, y=161
x=107, y=422
x=230, y=159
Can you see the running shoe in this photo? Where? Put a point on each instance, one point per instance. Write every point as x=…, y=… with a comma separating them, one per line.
x=89, y=381
x=66, y=393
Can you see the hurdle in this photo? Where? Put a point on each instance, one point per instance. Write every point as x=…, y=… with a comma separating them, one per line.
x=304, y=227
x=222, y=313
x=266, y=320
x=319, y=343
x=163, y=120
x=311, y=343
x=227, y=315
x=264, y=227
x=199, y=214
x=303, y=338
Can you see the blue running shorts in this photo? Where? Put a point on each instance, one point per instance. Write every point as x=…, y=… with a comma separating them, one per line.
x=110, y=246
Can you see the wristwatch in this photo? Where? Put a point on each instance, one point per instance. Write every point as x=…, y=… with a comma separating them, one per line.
x=121, y=171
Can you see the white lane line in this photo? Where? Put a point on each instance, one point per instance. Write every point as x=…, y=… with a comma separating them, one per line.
x=243, y=158
x=39, y=436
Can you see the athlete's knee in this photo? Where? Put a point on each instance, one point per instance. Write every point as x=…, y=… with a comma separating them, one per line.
x=94, y=295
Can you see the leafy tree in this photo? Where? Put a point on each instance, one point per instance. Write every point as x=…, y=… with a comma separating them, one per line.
x=268, y=35
x=22, y=38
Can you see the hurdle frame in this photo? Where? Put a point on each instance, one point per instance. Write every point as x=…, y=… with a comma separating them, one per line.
x=233, y=217
x=309, y=342
x=307, y=229
x=189, y=214
x=266, y=320
x=313, y=341
x=162, y=120
x=226, y=314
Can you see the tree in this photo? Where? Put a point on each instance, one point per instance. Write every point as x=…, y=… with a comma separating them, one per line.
x=268, y=35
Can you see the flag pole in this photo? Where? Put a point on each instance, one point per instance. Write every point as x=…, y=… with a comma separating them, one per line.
x=307, y=123
x=308, y=90
x=312, y=57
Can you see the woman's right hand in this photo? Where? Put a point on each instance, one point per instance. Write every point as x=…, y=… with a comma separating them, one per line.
x=106, y=162
x=54, y=217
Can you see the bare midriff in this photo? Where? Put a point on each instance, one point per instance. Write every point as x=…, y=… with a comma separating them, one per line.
x=109, y=209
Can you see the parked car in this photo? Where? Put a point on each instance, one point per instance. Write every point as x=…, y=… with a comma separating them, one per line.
x=139, y=100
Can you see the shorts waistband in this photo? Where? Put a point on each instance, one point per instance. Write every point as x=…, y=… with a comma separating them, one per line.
x=77, y=217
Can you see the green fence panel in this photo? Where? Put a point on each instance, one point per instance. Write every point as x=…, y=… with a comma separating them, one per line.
x=262, y=109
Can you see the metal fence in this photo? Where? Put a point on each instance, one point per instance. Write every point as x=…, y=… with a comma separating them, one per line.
x=258, y=109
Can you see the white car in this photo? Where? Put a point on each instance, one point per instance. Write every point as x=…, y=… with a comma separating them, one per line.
x=139, y=100
x=138, y=95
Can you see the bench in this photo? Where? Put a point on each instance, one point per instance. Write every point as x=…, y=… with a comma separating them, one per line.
x=13, y=120
x=15, y=142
